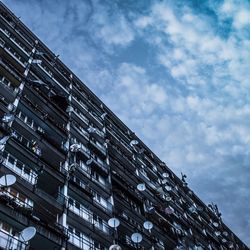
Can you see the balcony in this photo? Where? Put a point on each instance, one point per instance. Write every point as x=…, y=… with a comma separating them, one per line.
x=22, y=170
x=9, y=241
x=88, y=216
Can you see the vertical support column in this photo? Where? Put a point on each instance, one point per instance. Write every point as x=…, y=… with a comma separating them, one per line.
x=64, y=190
x=12, y=107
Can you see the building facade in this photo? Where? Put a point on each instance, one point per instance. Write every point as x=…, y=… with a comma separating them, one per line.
x=83, y=179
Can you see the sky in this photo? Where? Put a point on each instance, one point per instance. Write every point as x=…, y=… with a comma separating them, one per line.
x=175, y=72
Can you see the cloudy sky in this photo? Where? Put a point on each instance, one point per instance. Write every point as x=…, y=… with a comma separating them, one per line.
x=176, y=72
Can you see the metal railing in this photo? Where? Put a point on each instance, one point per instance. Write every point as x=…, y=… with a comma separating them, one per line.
x=20, y=169
x=8, y=241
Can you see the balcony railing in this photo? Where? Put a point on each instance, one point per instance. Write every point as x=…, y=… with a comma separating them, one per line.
x=8, y=241
x=13, y=199
x=20, y=169
x=88, y=216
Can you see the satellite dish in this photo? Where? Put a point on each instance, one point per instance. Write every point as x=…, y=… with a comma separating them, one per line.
x=27, y=234
x=225, y=233
x=4, y=139
x=192, y=209
x=75, y=147
x=89, y=161
x=133, y=142
x=217, y=233
x=160, y=190
x=164, y=181
x=113, y=222
x=151, y=210
x=148, y=225
x=8, y=118
x=91, y=129
x=168, y=198
x=7, y=180
x=215, y=224
x=103, y=115
x=231, y=245
x=180, y=248
x=69, y=109
x=141, y=187
x=66, y=145
x=165, y=175
x=224, y=240
x=169, y=210
x=136, y=237
x=168, y=188
x=115, y=247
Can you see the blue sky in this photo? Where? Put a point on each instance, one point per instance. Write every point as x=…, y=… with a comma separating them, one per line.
x=176, y=72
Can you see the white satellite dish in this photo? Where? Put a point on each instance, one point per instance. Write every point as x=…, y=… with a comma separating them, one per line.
x=168, y=188
x=8, y=118
x=168, y=198
x=75, y=147
x=141, y=187
x=148, y=225
x=4, y=139
x=169, y=210
x=27, y=234
x=192, y=209
x=133, y=142
x=103, y=115
x=91, y=129
x=115, y=247
x=114, y=222
x=231, y=245
x=89, y=161
x=160, y=190
x=217, y=233
x=224, y=240
x=136, y=237
x=165, y=175
x=215, y=224
x=164, y=181
x=225, y=233
x=7, y=180
x=69, y=109
x=151, y=210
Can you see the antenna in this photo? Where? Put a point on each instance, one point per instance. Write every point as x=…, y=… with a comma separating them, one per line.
x=136, y=237
x=141, y=187
x=27, y=234
x=7, y=180
x=114, y=222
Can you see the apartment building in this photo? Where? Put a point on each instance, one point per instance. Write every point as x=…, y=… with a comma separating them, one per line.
x=73, y=176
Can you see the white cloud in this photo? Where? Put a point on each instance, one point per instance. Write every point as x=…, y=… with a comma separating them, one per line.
x=242, y=19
